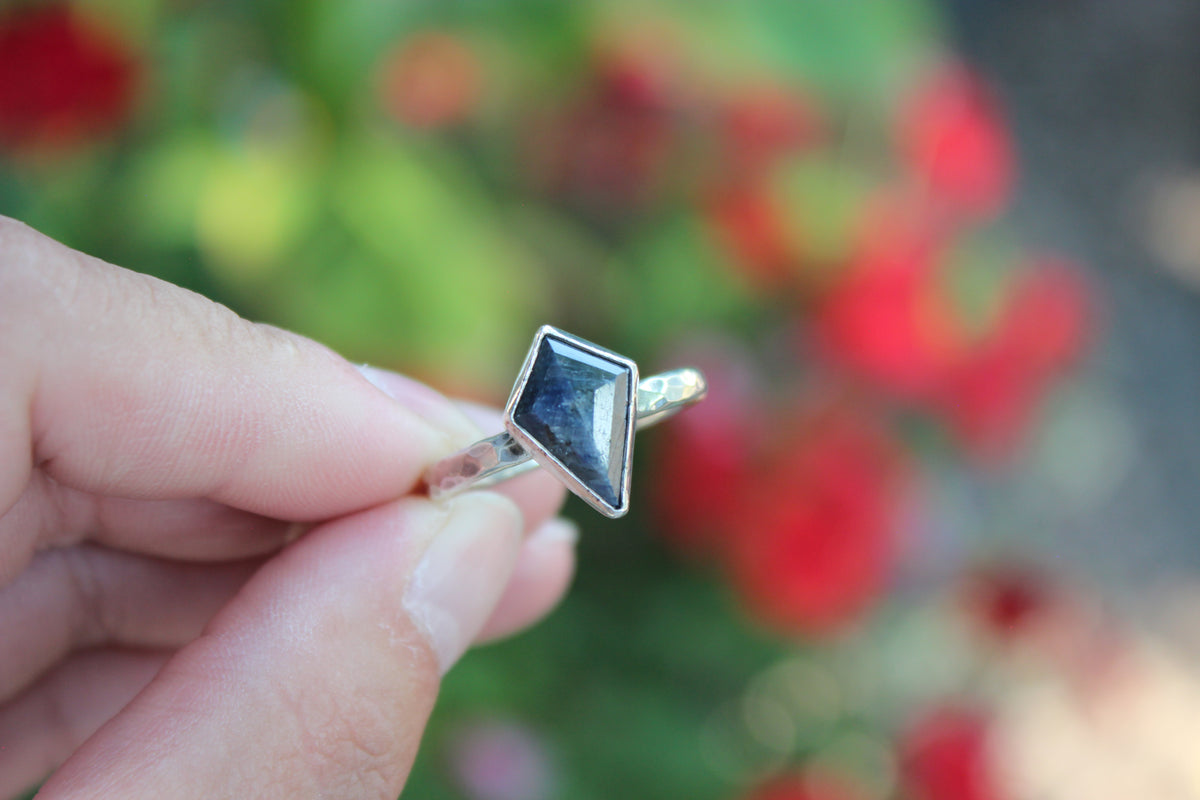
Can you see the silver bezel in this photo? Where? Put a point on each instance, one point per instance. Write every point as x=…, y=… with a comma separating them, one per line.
x=543, y=457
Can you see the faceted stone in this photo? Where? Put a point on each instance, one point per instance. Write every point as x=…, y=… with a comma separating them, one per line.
x=575, y=404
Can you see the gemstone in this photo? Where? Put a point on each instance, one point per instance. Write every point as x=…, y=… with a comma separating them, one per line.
x=576, y=405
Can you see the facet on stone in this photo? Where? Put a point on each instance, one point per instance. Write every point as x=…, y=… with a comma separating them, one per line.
x=575, y=404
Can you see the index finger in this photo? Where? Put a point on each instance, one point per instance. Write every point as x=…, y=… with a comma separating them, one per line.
x=120, y=384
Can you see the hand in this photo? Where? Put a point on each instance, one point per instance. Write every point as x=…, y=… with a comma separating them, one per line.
x=161, y=634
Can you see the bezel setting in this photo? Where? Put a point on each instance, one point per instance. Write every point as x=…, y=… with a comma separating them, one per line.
x=539, y=450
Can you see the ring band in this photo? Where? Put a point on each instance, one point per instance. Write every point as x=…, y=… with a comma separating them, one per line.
x=572, y=411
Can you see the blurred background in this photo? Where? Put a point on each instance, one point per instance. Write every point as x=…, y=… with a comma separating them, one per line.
x=932, y=536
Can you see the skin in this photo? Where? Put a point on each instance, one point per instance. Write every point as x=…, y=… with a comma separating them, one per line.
x=218, y=577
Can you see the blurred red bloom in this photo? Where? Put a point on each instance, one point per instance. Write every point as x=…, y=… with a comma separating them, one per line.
x=634, y=71
x=430, y=80
x=991, y=396
x=1004, y=600
x=703, y=459
x=799, y=786
x=953, y=138
x=944, y=756
x=64, y=79
x=801, y=520
x=1049, y=313
x=702, y=478
x=813, y=542
x=608, y=151
x=756, y=127
x=751, y=225
x=892, y=320
x=889, y=318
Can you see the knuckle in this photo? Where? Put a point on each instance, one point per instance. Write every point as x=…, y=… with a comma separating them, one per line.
x=15, y=237
x=217, y=328
x=33, y=266
x=285, y=349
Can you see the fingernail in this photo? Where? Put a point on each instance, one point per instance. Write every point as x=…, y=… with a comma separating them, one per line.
x=378, y=378
x=555, y=531
x=463, y=572
x=429, y=404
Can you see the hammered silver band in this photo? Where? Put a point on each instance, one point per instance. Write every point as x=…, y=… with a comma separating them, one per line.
x=500, y=457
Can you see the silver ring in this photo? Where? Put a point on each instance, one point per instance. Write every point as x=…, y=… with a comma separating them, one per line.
x=572, y=411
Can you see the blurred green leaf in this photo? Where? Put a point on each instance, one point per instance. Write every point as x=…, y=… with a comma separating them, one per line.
x=677, y=283
x=464, y=296
x=162, y=186
x=824, y=195
x=252, y=208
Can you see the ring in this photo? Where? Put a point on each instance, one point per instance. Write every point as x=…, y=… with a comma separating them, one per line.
x=572, y=411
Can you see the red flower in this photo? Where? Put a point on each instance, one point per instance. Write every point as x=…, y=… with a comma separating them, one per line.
x=991, y=395
x=812, y=546
x=1048, y=315
x=702, y=476
x=63, y=79
x=890, y=319
x=1004, y=600
x=799, y=786
x=636, y=72
x=953, y=139
x=609, y=150
x=990, y=399
x=760, y=125
x=430, y=80
x=751, y=225
x=944, y=756
x=702, y=460
x=802, y=521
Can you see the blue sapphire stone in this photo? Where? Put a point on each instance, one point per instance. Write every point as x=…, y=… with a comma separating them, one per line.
x=576, y=405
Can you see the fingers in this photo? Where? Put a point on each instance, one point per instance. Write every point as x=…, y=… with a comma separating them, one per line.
x=317, y=678
x=322, y=669
x=539, y=580
x=121, y=384
x=53, y=515
x=48, y=514
x=78, y=597
x=44, y=725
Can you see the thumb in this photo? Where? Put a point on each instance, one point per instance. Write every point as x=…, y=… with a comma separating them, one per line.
x=318, y=678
